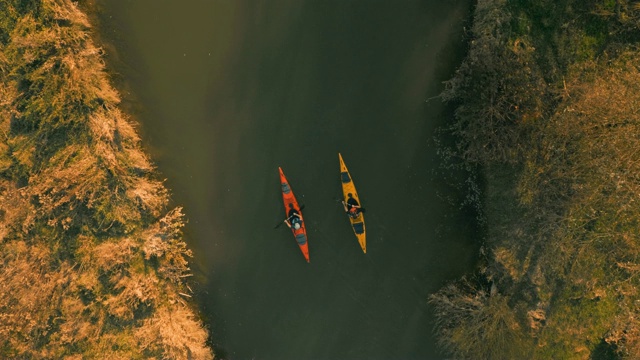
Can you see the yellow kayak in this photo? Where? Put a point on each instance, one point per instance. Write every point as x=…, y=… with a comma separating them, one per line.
x=350, y=196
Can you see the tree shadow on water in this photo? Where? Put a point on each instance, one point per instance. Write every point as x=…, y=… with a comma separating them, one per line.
x=605, y=351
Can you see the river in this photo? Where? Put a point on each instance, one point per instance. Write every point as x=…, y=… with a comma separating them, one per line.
x=226, y=91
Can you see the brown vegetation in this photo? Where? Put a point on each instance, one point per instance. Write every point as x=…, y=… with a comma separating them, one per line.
x=561, y=163
x=92, y=262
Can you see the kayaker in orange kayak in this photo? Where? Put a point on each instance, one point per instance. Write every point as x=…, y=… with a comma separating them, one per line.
x=294, y=220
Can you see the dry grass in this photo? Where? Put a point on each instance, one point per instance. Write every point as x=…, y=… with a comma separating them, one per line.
x=561, y=205
x=92, y=259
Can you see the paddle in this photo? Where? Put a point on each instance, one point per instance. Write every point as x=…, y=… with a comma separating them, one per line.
x=277, y=226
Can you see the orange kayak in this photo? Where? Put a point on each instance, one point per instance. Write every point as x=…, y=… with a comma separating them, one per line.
x=300, y=234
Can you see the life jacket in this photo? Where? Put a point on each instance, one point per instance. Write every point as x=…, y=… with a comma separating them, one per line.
x=296, y=219
x=296, y=226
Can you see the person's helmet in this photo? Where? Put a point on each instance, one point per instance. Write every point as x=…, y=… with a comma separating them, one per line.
x=296, y=225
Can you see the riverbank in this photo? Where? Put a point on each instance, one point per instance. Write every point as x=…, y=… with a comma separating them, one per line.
x=94, y=264
x=547, y=105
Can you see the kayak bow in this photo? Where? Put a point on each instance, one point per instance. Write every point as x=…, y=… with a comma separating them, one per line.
x=287, y=196
x=348, y=187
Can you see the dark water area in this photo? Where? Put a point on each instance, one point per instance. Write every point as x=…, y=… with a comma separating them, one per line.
x=227, y=91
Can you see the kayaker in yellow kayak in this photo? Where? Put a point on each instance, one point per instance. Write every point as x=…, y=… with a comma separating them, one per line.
x=352, y=207
x=294, y=220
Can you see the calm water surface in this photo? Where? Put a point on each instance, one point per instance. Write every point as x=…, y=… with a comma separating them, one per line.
x=226, y=91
